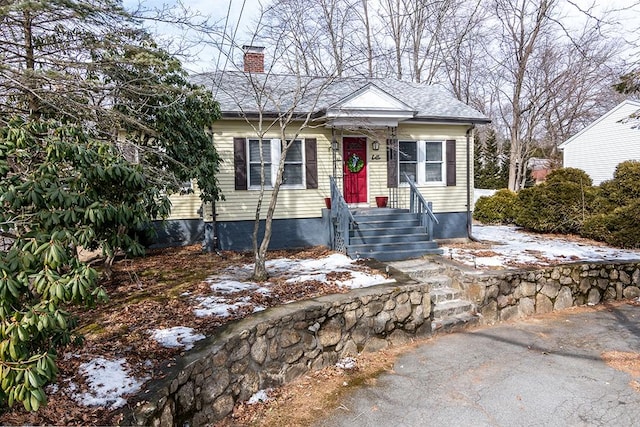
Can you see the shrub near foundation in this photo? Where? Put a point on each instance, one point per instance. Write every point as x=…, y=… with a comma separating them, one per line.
x=559, y=205
x=497, y=209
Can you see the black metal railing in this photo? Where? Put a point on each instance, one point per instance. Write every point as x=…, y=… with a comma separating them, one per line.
x=418, y=205
x=341, y=217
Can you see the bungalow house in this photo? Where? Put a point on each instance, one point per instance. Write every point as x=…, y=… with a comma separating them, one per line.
x=605, y=143
x=406, y=145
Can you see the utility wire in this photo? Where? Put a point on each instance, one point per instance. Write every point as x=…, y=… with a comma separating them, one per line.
x=232, y=42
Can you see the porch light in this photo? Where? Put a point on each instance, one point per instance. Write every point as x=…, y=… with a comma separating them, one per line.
x=375, y=145
x=334, y=144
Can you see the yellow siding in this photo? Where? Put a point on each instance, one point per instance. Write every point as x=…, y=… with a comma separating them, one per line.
x=303, y=203
x=292, y=203
x=185, y=206
x=444, y=199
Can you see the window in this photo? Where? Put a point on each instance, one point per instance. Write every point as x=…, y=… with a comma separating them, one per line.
x=423, y=161
x=433, y=161
x=254, y=162
x=408, y=158
x=294, y=173
x=293, y=166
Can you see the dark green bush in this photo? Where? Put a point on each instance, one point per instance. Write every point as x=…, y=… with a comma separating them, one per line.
x=559, y=205
x=620, y=227
x=623, y=189
x=497, y=209
x=616, y=218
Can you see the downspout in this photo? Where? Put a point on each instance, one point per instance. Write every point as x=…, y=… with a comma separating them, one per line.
x=469, y=217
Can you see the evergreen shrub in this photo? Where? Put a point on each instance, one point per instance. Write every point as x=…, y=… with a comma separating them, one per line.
x=497, y=209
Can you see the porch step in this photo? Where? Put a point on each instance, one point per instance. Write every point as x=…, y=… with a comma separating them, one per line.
x=394, y=246
x=372, y=232
x=389, y=238
x=366, y=223
x=382, y=214
x=388, y=235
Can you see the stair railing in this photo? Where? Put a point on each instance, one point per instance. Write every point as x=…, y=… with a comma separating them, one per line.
x=341, y=217
x=418, y=205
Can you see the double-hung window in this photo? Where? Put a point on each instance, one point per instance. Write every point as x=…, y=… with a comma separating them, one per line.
x=294, y=165
x=255, y=162
x=422, y=161
x=294, y=171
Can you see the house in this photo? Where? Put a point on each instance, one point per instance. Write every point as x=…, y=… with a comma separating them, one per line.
x=366, y=139
x=539, y=168
x=608, y=141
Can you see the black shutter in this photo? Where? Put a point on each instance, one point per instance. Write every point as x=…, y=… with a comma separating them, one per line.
x=451, y=162
x=392, y=163
x=311, y=159
x=240, y=162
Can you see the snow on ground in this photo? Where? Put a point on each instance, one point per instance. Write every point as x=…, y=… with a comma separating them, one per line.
x=108, y=381
x=236, y=279
x=511, y=246
x=177, y=337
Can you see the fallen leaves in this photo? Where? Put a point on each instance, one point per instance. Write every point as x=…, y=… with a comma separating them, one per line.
x=159, y=290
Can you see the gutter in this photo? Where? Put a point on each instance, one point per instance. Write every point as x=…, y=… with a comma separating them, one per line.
x=469, y=218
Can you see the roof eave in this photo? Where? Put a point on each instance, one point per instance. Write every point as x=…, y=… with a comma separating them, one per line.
x=451, y=120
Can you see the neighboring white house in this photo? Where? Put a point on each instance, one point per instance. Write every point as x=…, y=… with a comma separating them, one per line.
x=605, y=143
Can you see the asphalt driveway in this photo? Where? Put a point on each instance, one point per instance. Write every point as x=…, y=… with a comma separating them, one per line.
x=545, y=371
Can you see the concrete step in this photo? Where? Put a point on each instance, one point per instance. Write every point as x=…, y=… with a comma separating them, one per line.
x=450, y=308
x=454, y=323
x=422, y=270
x=444, y=293
x=394, y=255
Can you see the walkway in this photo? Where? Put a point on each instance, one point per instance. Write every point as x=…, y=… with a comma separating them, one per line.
x=544, y=371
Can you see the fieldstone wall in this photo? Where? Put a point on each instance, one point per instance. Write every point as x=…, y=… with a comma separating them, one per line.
x=511, y=294
x=275, y=346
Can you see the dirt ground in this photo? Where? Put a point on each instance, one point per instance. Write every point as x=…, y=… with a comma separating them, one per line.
x=155, y=291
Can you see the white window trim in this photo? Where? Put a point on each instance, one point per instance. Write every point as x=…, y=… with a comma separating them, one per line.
x=421, y=166
x=276, y=153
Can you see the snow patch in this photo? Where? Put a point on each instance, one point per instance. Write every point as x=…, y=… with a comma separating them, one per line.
x=363, y=280
x=176, y=337
x=218, y=306
x=260, y=396
x=512, y=245
x=108, y=381
x=346, y=363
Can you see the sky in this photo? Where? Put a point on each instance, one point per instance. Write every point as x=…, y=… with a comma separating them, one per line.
x=238, y=16
x=243, y=13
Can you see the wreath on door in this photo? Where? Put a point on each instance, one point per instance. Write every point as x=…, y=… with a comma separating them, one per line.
x=355, y=163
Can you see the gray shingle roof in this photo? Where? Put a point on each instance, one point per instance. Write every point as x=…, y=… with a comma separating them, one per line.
x=277, y=93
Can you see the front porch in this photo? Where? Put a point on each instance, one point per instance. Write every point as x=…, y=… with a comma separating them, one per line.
x=386, y=233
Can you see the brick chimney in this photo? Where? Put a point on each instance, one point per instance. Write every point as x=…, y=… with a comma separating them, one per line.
x=253, y=59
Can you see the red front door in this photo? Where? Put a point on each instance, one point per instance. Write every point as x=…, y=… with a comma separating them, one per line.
x=355, y=169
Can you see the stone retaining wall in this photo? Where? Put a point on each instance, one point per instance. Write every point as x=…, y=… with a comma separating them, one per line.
x=273, y=347
x=514, y=294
